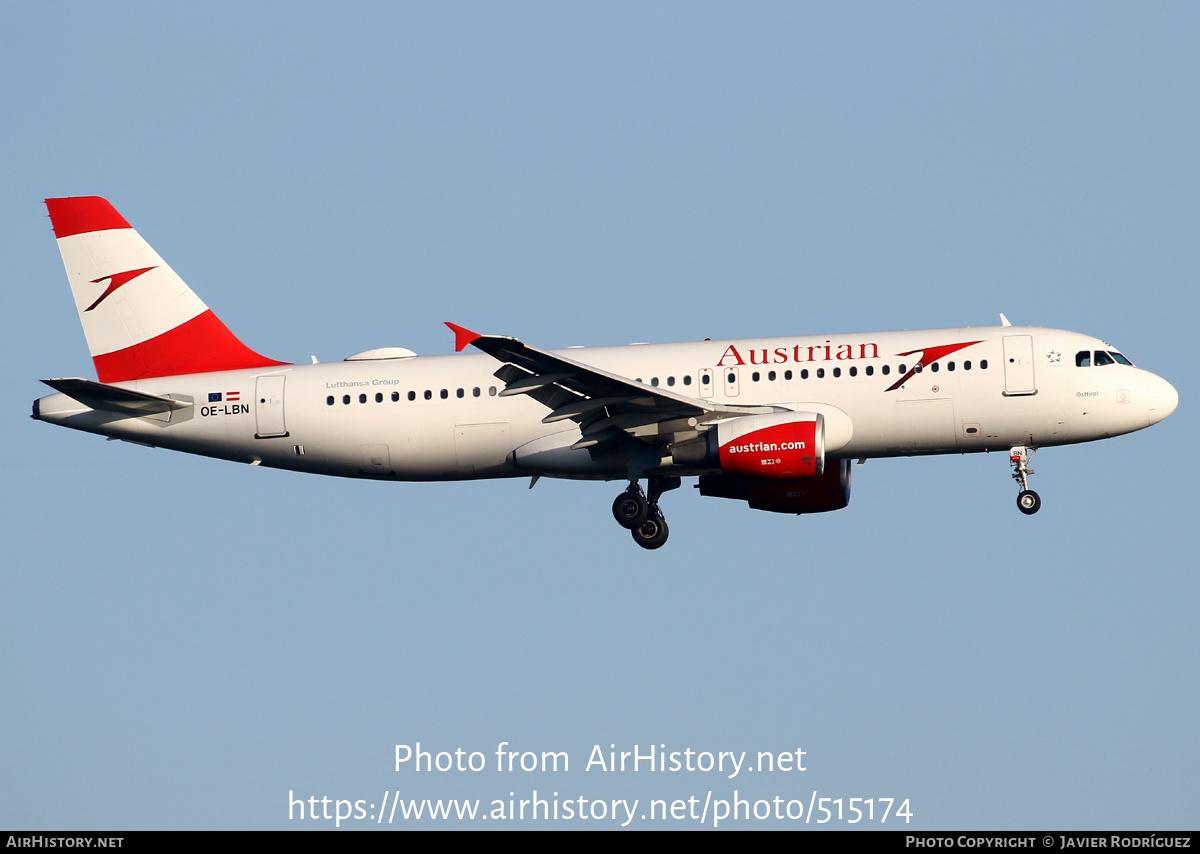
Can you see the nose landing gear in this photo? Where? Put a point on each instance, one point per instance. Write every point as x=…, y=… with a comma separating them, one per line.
x=1028, y=501
x=639, y=512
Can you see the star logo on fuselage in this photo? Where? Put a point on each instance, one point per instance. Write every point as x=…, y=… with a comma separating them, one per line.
x=115, y=281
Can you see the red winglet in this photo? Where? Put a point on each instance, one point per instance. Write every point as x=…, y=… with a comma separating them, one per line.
x=83, y=214
x=462, y=337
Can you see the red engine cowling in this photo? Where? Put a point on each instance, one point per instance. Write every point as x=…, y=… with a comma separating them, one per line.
x=830, y=491
x=780, y=446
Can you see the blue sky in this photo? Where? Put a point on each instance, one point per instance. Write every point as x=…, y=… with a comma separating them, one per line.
x=186, y=641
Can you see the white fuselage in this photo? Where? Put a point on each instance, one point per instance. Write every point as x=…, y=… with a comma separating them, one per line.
x=442, y=417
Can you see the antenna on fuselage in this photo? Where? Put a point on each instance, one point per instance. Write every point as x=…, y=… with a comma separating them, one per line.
x=1004, y=320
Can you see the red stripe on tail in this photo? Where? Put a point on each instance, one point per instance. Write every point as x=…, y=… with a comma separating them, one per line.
x=201, y=345
x=83, y=214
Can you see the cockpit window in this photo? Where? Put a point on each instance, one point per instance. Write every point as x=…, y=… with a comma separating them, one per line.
x=1084, y=358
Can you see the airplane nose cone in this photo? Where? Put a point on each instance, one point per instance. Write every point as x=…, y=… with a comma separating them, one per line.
x=1164, y=400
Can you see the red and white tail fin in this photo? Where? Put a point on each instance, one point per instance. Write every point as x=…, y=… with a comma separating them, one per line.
x=141, y=320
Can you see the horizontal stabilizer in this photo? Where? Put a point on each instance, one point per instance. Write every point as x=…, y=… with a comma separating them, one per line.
x=110, y=398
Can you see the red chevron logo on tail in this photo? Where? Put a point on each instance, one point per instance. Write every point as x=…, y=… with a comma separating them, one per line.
x=115, y=281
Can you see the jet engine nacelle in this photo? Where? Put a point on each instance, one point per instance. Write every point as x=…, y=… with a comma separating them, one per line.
x=779, y=446
x=829, y=491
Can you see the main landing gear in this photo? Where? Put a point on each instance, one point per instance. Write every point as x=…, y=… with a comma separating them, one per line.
x=637, y=511
x=1028, y=501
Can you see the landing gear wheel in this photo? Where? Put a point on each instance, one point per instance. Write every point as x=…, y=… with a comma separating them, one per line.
x=652, y=533
x=1028, y=502
x=631, y=509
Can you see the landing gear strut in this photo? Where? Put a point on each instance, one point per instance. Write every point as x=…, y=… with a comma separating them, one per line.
x=1028, y=501
x=639, y=512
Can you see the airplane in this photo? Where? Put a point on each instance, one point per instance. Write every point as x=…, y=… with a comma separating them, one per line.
x=774, y=422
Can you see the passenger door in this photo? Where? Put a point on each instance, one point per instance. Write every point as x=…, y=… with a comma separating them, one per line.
x=1018, y=365
x=268, y=407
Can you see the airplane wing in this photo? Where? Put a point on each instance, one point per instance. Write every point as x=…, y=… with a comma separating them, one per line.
x=608, y=407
